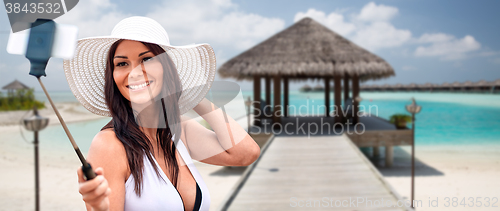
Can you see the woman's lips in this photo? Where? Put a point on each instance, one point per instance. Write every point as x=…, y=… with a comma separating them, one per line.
x=138, y=87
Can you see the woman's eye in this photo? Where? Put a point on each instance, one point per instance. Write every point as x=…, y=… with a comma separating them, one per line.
x=120, y=64
x=147, y=59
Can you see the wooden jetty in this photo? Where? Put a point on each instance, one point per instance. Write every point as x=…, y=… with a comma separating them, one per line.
x=316, y=173
x=467, y=86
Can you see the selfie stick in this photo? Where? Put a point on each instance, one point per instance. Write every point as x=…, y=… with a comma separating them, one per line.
x=39, y=52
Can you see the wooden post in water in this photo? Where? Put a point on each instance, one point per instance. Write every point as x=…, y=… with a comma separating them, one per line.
x=337, y=98
x=268, y=97
x=285, y=89
x=327, y=96
x=389, y=156
x=346, y=89
x=355, y=93
x=277, y=100
x=256, y=101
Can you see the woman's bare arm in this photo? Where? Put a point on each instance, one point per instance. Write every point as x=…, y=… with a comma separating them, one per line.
x=108, y=153
x=228, y=145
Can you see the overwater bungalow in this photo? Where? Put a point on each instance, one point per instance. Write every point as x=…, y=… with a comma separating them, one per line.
x=375, y=87
x=427, y=87
x=306, y=50
x=456, y=86
x=305, y=88
x=495, y=86
x=467, y=86
x=385, y=87
x=318, y=88
x=481, y=86
x=411, y=87
x=444, y=87
x=398, y=87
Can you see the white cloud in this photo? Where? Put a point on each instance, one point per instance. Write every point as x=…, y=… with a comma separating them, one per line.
x=334, y=21
x=447, y=47
x=381, y=35
x=374, y=13
x=370, y=28
x=216, y=22
x=434, y=38
x=93, y=17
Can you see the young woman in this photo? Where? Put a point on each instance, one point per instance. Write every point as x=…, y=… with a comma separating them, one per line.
x=143, y=156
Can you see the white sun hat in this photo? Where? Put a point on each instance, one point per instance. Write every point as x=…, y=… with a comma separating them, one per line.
x=195, y=64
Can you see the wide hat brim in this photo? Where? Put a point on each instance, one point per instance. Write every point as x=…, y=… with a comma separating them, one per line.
x=195, y=65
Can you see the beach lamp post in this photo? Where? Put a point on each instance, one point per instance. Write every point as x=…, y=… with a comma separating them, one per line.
x=248, y=102
x=36, y=123
x=413, y=108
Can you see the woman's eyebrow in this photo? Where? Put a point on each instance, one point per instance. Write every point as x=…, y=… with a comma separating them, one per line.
x=124, y=57
x=145, y=52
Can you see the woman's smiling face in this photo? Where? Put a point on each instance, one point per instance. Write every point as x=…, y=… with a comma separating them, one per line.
x=138, y=74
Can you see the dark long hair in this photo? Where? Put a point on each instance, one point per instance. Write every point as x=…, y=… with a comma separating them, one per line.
x=126, y=121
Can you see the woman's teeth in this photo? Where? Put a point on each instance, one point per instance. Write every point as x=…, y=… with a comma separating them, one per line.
x=138, y=86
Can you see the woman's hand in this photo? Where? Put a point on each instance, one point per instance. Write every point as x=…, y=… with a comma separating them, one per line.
x=95, y=192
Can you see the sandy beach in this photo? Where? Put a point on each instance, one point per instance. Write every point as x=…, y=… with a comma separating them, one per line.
x=70, y=111
x=58, y=179
x=442, y=171
x=448, y=171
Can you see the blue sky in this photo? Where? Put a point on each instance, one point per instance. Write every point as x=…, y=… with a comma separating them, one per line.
x=424, y=41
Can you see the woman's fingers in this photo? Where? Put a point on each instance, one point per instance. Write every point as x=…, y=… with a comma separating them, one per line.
x=91, y=185
x=95, y=191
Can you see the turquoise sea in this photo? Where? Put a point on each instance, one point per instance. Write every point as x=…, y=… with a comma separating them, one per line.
x=445, y=119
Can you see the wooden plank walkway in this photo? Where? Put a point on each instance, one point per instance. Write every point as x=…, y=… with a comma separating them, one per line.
x=296, y=170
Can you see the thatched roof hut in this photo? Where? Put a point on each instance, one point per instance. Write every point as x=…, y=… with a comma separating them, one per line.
x=374, y=87
x=411, y=87
x=15, y=85
x=307, y=49
x=366, y=87
x=385, y=87
x=481, y=83
x=398, y=87
x=467, y=85
x=428, y=85
x=445, y=86
x=305, y=88
x=318, y=88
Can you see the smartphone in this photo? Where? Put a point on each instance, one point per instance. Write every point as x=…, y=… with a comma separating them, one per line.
x=65, y=41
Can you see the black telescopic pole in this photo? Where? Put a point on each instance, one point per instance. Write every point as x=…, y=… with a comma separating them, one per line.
x=86, y=168
x=412, y=158
x=37, y=186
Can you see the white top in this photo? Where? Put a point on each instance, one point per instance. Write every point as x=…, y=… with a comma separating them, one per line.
x=158, y=194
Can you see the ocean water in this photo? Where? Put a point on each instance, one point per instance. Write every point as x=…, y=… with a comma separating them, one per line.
x=445, y=119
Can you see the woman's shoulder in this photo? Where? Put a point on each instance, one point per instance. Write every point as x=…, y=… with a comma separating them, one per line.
x=108, y=152
x=107, y=141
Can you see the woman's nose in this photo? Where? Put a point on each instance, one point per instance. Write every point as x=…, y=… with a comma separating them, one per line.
x=137, y=71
